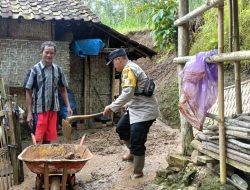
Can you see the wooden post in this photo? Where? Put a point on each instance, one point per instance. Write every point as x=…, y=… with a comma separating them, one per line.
x=236, y=47
x=221, y=96
x=18, y=137
x=113, y=91
x=183, y=50
x=13, y=148
x=87, y=97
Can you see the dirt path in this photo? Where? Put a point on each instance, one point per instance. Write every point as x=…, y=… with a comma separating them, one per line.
x=106, y=171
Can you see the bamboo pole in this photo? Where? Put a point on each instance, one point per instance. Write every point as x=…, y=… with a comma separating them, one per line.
x=198, y=146
x=219, y=58
x=183, y=49
x=229, y=155
x=230, y=121
x=221, y=96
x=230, y=151
x=230, y=44
x=236, y=47
x=240, y=144
x=208, y=5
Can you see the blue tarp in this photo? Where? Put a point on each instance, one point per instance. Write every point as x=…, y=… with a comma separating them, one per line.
x=86, y=47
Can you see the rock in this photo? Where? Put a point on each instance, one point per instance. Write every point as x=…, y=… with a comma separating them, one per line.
x=177, y=160
x=188, y=177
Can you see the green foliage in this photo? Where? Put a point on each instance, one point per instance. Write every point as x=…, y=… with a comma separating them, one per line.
x=162, y=15
x=207, y=39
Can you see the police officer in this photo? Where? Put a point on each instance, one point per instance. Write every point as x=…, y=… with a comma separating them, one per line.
x=142, y=110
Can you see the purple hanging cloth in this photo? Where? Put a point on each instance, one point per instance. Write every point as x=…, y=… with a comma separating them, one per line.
x=199, y=88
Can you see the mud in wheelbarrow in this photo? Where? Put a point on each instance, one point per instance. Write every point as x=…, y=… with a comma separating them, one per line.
x=55, y=160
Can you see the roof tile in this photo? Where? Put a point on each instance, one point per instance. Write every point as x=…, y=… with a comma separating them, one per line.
x=46, y=10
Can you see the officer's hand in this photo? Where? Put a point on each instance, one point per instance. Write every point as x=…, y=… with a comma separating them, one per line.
x=107, y=110
x=125, y=107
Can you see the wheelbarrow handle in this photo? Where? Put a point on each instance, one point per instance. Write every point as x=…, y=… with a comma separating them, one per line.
x=82, y=140
x=33, y=138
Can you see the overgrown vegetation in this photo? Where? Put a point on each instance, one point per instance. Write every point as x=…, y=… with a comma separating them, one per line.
x=168, y=99
x=207, y=38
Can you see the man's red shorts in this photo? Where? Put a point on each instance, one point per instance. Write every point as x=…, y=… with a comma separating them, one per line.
x=46, y=128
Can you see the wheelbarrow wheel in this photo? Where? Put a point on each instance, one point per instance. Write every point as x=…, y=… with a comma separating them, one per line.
x=55, y=182
x=39, y=182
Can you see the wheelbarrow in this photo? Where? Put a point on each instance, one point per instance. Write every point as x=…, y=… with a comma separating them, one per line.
x=55, y=164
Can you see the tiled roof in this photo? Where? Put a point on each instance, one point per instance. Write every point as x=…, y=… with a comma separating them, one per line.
x=46, y=10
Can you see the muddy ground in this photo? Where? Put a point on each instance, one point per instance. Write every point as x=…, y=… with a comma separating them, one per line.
x=106, y=170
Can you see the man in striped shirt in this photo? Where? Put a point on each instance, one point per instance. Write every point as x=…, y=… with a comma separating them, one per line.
x=42, y=84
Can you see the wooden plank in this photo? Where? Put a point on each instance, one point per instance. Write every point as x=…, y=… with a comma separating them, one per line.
x=206, y=159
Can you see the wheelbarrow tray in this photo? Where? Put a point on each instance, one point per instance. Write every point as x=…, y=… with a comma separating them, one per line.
x=56, y=157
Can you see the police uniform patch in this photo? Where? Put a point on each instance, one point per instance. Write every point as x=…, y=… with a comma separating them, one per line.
x=128, y=78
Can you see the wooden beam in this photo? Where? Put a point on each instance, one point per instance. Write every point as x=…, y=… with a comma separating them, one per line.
x=233, y=56
x=219, y=58
x=182, y=60
x=200, y=10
